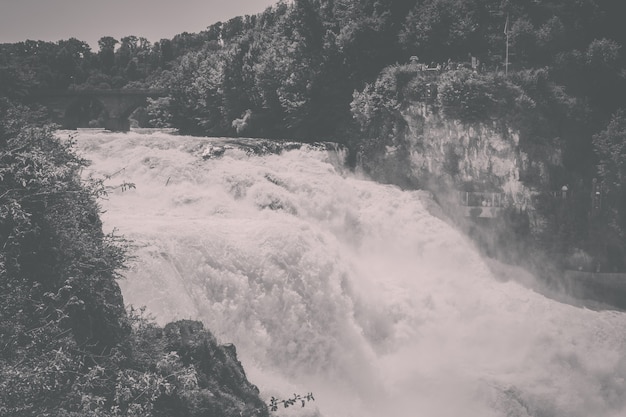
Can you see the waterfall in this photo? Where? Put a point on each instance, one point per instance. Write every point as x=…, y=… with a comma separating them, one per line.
x=333, y=284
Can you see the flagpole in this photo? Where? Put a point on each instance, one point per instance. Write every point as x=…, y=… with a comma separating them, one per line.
x=506, y=59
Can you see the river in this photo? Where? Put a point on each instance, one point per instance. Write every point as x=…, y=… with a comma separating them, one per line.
x=358, y=292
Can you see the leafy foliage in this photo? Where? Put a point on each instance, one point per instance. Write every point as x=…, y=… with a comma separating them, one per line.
x=293, y=68
x=67, y=346
x=610, y=149
x=470, y=97
x=296, y=399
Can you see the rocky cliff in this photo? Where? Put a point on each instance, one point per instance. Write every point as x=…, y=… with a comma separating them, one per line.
x=460, y=131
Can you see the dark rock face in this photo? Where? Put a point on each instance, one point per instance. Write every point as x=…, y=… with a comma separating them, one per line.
x=228, y=391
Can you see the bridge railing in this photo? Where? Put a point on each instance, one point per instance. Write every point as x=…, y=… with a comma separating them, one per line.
x=147, y=92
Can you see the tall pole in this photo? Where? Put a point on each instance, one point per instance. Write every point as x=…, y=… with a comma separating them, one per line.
x=506, y=58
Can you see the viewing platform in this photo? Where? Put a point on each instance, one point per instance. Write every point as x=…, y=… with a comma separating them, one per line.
x=481, y=204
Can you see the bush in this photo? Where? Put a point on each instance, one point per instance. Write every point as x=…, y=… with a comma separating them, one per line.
x=61, y=308
x=470, y=97
x=67, y=346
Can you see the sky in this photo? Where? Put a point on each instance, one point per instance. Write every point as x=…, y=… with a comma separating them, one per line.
x=89, y=20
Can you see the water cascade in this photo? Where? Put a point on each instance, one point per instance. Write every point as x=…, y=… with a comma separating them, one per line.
x=358, y=292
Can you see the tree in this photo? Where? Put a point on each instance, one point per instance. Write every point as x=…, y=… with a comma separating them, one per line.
x=438, y=30
x=126, y=52
x=106, y=54
x=164, y=50
x=610, y=149
x=72, y=62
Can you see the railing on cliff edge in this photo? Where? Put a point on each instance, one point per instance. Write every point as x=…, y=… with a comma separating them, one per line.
x=481, y=204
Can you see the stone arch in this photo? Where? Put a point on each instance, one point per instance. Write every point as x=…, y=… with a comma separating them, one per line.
x=83, y=111
x=119, y=108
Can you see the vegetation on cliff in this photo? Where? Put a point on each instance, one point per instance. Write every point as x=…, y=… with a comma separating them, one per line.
x=552, y=148
x=67, y=345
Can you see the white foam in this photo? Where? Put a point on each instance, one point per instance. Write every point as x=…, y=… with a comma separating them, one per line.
x=347, y=288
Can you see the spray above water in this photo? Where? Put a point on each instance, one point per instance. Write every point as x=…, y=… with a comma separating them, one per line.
x=344, y=287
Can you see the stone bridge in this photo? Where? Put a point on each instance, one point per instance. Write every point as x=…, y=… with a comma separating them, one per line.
x=94, y=108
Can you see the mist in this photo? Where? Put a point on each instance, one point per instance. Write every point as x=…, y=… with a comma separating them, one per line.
x=330, y=283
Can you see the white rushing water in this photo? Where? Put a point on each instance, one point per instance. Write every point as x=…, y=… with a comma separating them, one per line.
x=346, y=288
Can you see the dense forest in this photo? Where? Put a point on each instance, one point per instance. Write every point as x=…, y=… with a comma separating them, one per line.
x=291, y=70
x=336, y=70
